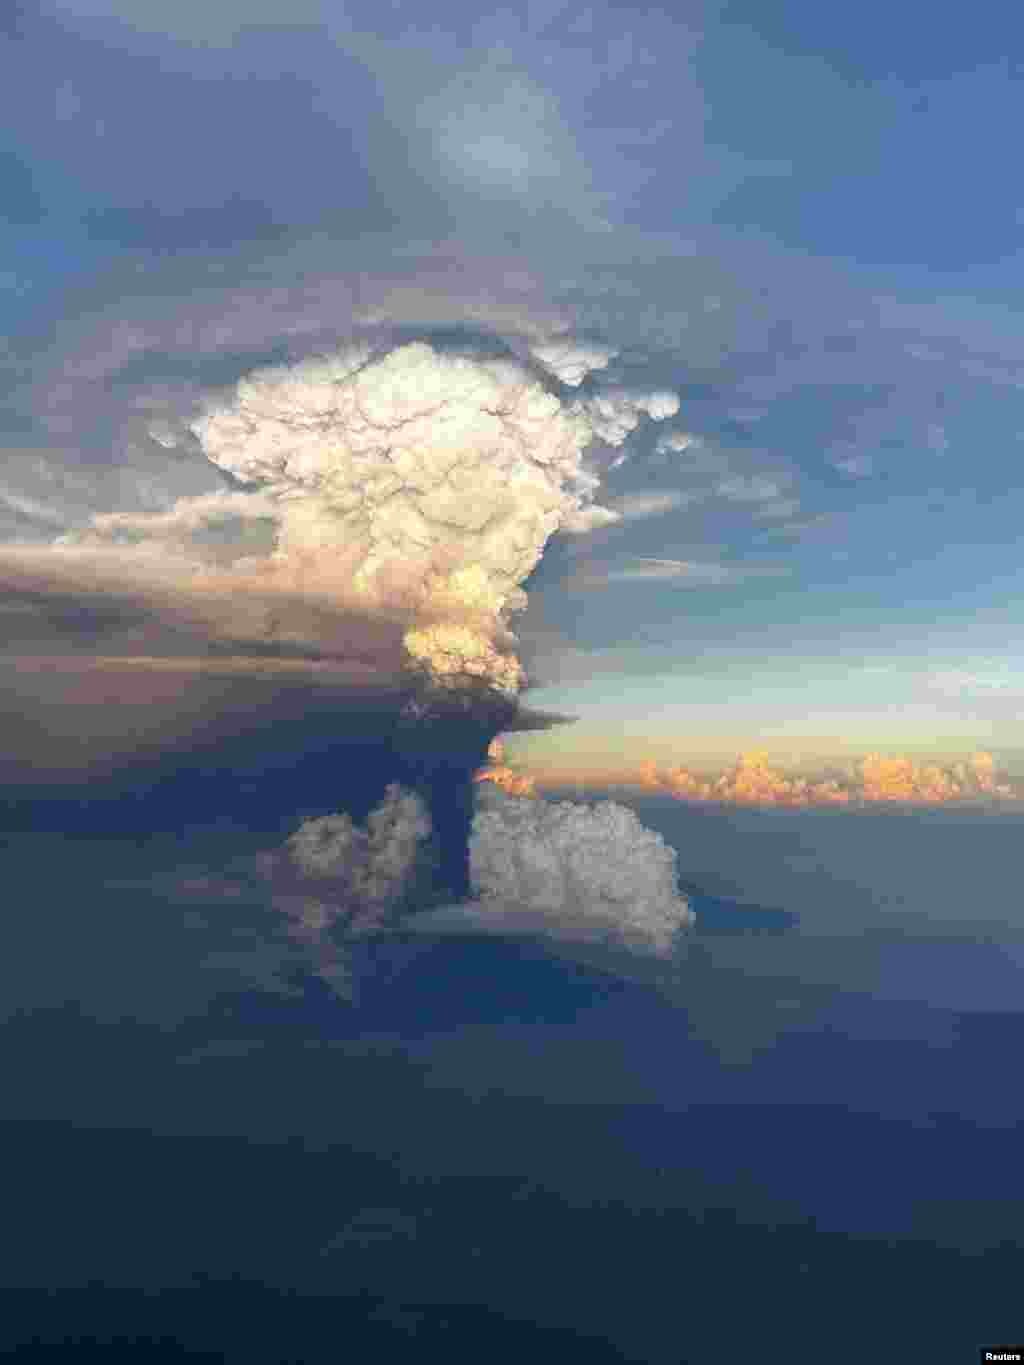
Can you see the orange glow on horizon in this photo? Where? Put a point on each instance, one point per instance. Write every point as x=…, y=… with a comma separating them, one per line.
x=874, y=780
x=877, y=780
x=498, y=772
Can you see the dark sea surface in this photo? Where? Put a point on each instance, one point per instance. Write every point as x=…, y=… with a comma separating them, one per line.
x=801, y=1141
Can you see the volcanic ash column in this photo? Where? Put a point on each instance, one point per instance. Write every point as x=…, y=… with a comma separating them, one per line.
x=425, y=482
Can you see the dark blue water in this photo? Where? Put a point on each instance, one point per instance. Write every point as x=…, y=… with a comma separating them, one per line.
x=492, y=1149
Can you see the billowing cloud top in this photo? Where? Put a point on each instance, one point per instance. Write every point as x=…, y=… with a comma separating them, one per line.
x=571, y=361
x=403, y=477
x=442, y=475
x=568, y=872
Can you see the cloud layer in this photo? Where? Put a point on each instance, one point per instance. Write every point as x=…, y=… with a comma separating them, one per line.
x=876, y=780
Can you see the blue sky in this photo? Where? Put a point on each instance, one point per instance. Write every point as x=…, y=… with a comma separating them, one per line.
x=802, y=219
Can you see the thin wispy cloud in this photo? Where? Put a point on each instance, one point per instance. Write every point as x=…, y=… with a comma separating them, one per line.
x=682, y=573
x=690, y=454
x=765, y=496
x=856, y=466
x=1000, y=682
x=640, y=506
x=631, y=507
x=748, y=479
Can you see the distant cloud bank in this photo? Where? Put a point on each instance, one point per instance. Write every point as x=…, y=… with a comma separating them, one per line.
x=876, y=780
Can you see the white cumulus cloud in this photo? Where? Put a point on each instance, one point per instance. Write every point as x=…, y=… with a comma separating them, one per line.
x=568, y=872
x=571, y=361
x=615, y=414
x=399, y=477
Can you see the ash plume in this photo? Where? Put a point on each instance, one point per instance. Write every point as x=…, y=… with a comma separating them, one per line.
x=400, y=479
x=566, y=872
x=367, y=870
x=339, y=612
